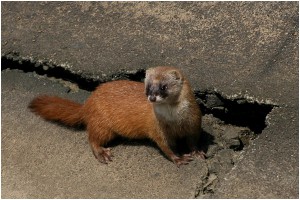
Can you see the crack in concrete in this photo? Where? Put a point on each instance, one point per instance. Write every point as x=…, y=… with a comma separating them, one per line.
x=13, y=60
x=238, y=111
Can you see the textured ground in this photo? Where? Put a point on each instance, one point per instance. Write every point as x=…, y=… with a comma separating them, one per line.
x=240, y=57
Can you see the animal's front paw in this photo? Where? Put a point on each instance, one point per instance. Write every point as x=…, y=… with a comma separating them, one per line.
x=198, y=154
x=104, y=156
x=183, y=160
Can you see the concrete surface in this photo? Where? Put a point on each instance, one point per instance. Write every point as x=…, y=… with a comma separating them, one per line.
x=239, y=49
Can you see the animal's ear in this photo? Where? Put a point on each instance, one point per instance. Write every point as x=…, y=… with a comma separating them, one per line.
x=147, y=74
x=175, y=74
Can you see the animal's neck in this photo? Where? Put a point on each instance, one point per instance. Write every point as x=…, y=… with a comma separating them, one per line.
x=177, y=111
x=171, y=112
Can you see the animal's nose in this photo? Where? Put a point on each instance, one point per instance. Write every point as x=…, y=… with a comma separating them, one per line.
x=152, y=98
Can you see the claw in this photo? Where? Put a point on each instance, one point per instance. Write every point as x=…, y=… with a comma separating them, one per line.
x=104, y=156
x=198, y=154
x=184, y=160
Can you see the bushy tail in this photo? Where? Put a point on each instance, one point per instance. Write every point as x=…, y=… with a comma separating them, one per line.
x=57, y=109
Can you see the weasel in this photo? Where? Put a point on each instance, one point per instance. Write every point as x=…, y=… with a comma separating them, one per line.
x=168, y=111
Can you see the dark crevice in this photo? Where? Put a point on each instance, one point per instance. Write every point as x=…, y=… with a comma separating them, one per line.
x=14, y=61
x=238, y=112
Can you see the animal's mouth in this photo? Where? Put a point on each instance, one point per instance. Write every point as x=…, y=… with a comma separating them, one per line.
x=155, y=99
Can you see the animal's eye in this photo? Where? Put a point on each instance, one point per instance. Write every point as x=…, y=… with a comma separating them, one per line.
x=163, y=87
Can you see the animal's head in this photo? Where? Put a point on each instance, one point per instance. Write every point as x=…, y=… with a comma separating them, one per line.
x=163, y=84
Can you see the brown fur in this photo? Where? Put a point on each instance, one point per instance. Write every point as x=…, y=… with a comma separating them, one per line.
x=121, y=108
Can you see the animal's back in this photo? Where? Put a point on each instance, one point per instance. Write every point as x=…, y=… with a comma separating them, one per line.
x=121, y=106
